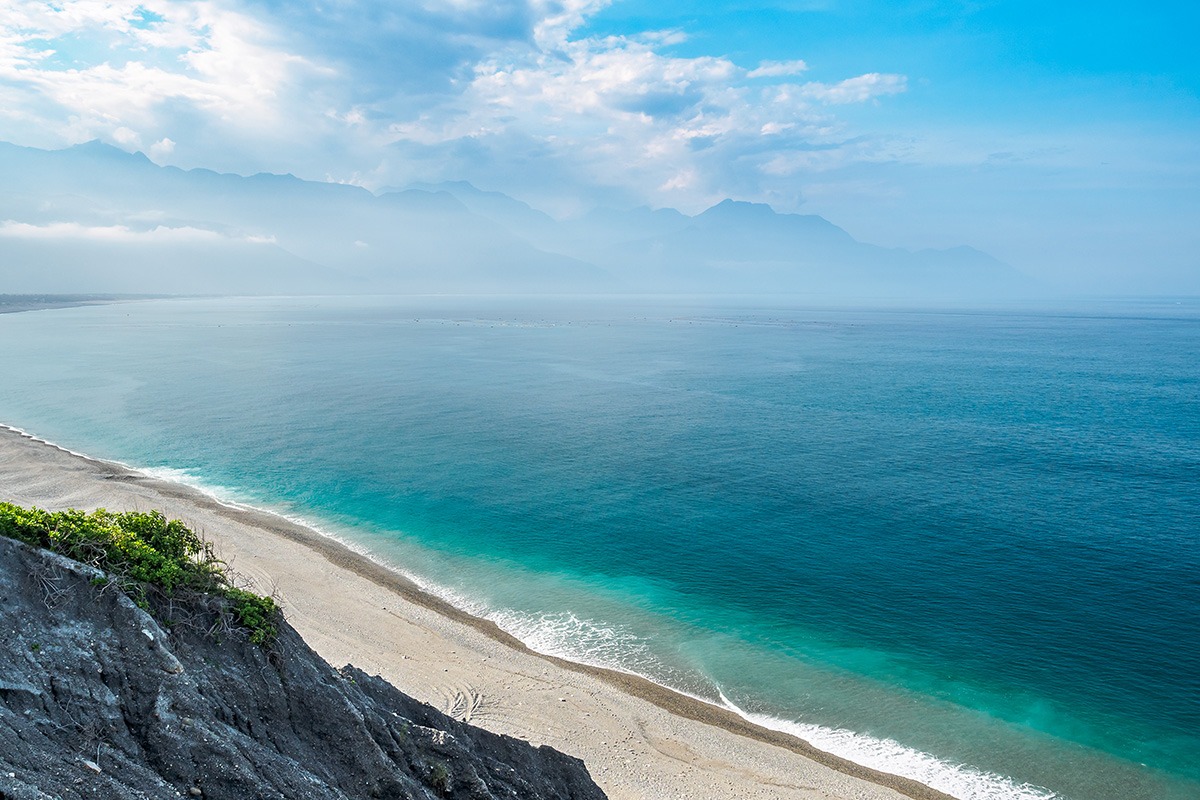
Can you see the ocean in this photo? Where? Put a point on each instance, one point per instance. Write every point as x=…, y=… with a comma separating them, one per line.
x=961, y=545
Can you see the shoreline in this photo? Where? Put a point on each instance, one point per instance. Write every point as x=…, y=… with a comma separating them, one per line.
x=652, y=741
x=18, y=303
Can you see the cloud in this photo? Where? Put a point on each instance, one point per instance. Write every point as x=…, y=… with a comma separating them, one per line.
x=620, y=112
x=116, y=69
x=857, y=90
x=777, y=69
x=507, y=92
x=162, y=148
x=59, y=231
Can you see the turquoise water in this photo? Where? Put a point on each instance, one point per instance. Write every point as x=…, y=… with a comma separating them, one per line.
x=961, y=546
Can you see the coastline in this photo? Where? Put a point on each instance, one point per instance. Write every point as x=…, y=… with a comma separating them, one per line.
x=638, y=739
x=17, y=303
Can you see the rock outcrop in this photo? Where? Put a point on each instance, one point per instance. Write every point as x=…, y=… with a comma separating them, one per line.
x=98, y=700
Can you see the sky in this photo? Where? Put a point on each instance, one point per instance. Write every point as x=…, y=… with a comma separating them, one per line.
x=1063, y=138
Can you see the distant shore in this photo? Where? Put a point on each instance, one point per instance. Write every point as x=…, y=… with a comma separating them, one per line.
x=639, y=740
x=12, y=303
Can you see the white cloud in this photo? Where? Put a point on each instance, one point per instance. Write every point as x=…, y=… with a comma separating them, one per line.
x=777, y=69
x=557, y=18
x=619, y=112
x=127, y=137
x=857, y=90
x=504, y=92
x=683, y=180
x=128, y=71
x=161, y=234
x=162, y=148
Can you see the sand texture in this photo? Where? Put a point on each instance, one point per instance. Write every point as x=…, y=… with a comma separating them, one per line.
x=639, y=741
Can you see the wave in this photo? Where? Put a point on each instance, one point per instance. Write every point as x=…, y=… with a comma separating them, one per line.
x=225, y=495
x=887, y=755
x=568, y=636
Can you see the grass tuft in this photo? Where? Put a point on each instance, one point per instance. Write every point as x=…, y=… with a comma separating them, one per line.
x=145, y=552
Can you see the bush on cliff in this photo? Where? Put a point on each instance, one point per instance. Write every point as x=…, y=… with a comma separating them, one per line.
x=145, y=552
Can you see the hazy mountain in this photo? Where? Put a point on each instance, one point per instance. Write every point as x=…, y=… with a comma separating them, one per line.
x=96, y=214
x=596, y=236
x=744, y=247
x=749, y=247
x=518, y=217
x=587, y=238
x=93, y=218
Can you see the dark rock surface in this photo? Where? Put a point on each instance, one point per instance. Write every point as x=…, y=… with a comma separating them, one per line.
x=97, y=700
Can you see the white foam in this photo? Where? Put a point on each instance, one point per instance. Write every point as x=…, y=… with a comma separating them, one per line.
x=221, y=494
x=562, y=635
x=49, y=443
x=568, y=636
x=224, y=495
x=460, y=601
x=887, y=755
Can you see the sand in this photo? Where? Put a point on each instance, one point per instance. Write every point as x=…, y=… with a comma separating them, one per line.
x=639, y=741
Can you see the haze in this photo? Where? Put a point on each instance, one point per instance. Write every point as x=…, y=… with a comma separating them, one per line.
x=905, y=149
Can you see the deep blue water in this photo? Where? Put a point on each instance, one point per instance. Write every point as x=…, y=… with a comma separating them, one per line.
x=958, y=544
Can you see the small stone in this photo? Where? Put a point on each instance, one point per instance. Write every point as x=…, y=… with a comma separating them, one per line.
x=195, y=791
x=92, y=765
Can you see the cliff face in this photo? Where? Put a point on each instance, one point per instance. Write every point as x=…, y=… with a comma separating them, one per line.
x=97, y=700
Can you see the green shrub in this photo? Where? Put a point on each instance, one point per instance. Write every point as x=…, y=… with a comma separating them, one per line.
x=439, y=778
x=255, y=613
x=144, y=551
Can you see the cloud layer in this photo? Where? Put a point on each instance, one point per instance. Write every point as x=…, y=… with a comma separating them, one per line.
x=159, y=234
x=507, y=93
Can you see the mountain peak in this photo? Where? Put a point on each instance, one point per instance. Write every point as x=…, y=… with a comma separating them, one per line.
x=738, y=210
x=96, y=148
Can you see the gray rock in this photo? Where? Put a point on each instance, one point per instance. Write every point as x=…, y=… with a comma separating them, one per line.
x=98, y=700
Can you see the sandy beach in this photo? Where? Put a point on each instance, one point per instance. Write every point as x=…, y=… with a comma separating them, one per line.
x=639, y=741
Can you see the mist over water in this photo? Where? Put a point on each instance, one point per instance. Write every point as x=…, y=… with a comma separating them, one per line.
x=957, y=543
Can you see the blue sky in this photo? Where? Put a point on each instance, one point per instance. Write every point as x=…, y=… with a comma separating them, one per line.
x=1062, y=137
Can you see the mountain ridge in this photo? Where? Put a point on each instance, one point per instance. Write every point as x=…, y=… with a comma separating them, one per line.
x=322, y=237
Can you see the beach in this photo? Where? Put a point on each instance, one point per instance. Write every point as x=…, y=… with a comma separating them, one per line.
x=637, y=739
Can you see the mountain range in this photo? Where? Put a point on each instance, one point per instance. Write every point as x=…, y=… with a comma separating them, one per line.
x=94, y=218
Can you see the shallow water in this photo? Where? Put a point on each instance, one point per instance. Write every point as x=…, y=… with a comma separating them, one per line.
x=959, y=545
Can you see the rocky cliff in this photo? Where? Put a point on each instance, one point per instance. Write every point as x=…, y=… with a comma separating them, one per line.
x=98, y=700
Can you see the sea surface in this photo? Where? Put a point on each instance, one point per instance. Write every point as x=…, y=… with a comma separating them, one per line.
x=961, y=545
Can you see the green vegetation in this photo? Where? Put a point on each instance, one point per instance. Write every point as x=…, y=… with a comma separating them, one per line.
x=439, y=778
x=146, y=553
